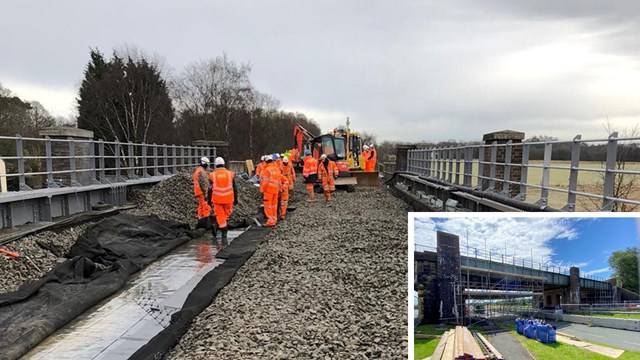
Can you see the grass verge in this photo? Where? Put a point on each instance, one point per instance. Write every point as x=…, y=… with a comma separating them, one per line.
x=430, y=329
x=423, y=348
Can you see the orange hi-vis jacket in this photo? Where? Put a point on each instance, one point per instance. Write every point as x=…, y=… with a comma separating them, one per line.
x=221, y=186
x=284, y=184
x=270, y=180
x=200, y=182
x=326, y=175
x=290, y=173
x=310, y=166
x=259, y=168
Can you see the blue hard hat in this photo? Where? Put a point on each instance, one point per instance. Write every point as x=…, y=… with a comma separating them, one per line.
x=307, y=152
x=276, y=156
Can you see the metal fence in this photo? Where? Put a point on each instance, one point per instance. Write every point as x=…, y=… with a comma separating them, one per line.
x=604, y=184
x=495, y=256
x=40, y=163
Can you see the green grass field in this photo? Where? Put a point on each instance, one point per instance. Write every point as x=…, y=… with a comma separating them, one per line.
x=423, y=348
x=430, y=329
x=588, y=181
x=613, y=315
x=560, y=351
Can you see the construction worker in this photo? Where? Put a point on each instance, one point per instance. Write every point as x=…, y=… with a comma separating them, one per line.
x=260, y=166
x=270, y=187
x=371, y=159
x=284, y=195
x=295, y=155
x=201, y=189
x=327, y=172
x=310, y=174
x=364, y=156
x=289, y=172
x=224, y=195
x=277, y=161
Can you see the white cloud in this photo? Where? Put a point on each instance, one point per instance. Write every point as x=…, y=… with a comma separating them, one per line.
x=522, y=237
x=59, y=101
x=598, y=271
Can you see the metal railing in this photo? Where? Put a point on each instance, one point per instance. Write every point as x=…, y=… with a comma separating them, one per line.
x=40, y=163
x=563, y=185
x=497, y=257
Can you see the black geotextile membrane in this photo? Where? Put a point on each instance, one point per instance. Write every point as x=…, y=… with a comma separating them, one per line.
x=99, y=264
x=235, y=255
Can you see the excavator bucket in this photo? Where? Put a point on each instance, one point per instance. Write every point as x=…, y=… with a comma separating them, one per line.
x=365, y=178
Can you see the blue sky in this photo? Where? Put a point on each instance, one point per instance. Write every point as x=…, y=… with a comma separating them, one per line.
x=586, y=242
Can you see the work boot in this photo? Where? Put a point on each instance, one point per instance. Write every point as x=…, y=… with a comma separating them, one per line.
x=214, y=232
x=224, y=237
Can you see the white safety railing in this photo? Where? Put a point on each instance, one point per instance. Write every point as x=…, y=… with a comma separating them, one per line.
x=558, y=184
x=36, y=163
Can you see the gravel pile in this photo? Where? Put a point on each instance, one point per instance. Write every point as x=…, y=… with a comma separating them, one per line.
x=45, y=250
x=170, y=199
x=331, y=283
x=173, y=199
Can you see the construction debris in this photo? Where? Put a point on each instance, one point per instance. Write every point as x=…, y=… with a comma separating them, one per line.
x=329, y=283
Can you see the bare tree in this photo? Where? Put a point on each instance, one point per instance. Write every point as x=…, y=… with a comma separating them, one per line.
x=624, y=185
x=212, y=93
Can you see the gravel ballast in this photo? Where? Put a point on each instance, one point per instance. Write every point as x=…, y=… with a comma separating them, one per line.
x=330, y=283
x=171, y=199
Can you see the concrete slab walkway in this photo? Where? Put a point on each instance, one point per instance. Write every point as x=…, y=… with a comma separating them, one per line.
x=510, y=347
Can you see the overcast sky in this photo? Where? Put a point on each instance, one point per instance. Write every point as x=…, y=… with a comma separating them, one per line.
x=403, y=70
x=585, y=242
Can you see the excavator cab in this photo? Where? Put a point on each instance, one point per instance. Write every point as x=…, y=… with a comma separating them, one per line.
x=336, y=150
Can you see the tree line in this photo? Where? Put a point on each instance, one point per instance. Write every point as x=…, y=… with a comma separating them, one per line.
x=127, y=98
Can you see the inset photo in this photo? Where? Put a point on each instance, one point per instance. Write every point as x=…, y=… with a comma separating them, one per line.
x=524, y=286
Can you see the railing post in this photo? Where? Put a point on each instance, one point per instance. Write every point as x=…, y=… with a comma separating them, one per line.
x=20, y=155
x=156, y=172
x=72, y=162
x=49, y=162
x=546, y=172
x=174, y=162
x=468, y=166
x=164, y=159
x=117, y=162
x=458, y=158
x=609, y=176
x=438, y=153
x=182, y=167
x=101, y=165
x=524, y=172
x=143, y=154
x=506, y=184
x=92, y=154
x=573, y=174
x=131, y=156
x=481, y=175
x=450, y=169
x=492, y=166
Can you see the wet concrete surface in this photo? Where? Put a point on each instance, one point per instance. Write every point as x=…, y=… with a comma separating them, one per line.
x=118, y=326
x=621, y=339
x=510, y=347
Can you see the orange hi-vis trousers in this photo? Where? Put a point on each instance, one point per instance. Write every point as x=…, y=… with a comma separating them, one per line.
x=204, y=210
x=271, y=208
x=284, y=202
x=222, y=212
x=310, y=191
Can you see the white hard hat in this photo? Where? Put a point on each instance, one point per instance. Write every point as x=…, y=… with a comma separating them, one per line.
x=285, y=160
x=218, y=161
x=366, y=147
x=323, y=156
x=262, y=158
x=268, y=158
x=204, y=160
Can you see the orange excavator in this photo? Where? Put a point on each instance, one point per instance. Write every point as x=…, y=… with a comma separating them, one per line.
x=341, y=146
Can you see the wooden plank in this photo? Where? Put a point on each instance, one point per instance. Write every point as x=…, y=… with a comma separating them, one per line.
x=490, y=346
x=459, y=344
x=437, y=353
x=250, y=167
x=471, y=347
x=449, y=348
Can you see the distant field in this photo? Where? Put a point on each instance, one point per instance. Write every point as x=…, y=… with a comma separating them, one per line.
x=588, y=182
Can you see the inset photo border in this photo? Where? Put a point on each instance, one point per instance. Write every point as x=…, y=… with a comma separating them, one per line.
x=526, y=285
